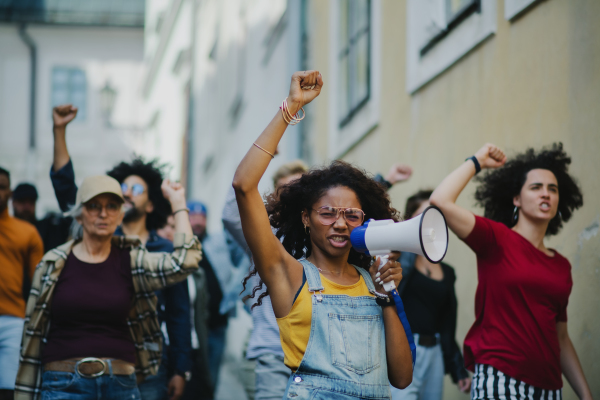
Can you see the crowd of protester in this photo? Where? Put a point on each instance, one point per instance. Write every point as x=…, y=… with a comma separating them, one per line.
x=126, y=294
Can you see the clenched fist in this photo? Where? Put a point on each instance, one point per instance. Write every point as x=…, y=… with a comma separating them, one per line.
x=63, y=114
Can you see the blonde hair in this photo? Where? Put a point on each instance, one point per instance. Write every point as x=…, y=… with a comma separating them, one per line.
x=288, y=169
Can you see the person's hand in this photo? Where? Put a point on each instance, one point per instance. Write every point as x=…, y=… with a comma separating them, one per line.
x=176, y=387
x=175, y=193
x=490, y=156
x=391, y=271
x=464, y=385
x=63, y=114
x=305, y=87
x=398, y=173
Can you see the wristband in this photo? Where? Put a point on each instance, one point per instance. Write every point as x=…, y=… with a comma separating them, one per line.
x=181, y=209
x=476, y=162
x=381, y=180
x=384, y=301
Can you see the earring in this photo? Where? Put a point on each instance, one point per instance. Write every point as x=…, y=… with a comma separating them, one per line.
x=307, y=229
x=515, y=214
x=559, y=214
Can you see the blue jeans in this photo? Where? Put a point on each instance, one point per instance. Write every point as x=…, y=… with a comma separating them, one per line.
x=72, y=386
x=428, y=376
x=216, y=347
x=154, y=387
x=11, y=330
x=271, y=377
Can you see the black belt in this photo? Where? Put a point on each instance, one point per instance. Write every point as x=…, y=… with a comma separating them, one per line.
x=428, y=340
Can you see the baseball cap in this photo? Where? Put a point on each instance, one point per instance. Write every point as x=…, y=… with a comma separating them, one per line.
x=25, y=191
x=92, y=186
x=196, y=207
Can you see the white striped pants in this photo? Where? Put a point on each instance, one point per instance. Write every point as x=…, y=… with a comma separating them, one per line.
x=489, y=383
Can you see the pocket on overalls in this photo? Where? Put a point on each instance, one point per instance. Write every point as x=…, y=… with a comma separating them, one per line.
x=355, y=341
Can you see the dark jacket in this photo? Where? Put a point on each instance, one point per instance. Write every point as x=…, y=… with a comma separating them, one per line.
x=173, y=302
x=453, y=360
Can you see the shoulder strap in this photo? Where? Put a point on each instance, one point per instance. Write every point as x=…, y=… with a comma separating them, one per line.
x=312, y=276
x=367, y=277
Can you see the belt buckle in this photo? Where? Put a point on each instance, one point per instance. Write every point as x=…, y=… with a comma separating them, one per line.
x=91, y=360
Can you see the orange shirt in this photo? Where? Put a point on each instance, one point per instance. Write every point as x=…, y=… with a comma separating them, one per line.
x=20, y=247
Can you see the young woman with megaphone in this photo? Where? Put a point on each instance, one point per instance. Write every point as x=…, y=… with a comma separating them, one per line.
x=337, y=338
x=519, y=344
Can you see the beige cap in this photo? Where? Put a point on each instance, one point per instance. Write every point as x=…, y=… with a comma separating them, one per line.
x=92, y=186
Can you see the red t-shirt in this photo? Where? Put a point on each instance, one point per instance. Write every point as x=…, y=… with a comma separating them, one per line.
x=521, y=294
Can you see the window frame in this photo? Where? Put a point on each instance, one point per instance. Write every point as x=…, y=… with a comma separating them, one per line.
x=364, y=117
x=83, y=111
x=463, y=33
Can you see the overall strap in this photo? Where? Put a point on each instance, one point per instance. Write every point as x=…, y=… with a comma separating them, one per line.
x=312, y=276
x=367, y=277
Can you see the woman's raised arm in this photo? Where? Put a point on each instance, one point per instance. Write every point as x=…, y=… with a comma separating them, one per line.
x=462, y=221
x=271, y=260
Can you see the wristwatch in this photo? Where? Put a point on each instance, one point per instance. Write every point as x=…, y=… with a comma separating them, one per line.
x=384, y=301
x=187, y=375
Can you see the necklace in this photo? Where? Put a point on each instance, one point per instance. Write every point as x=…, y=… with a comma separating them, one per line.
x=328, y=271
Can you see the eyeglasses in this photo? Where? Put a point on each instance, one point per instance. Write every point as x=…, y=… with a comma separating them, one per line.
x=328, y=215
x=95, y=209
x=136, y=188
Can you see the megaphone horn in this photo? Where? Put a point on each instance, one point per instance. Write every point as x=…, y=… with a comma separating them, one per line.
x=425, y=234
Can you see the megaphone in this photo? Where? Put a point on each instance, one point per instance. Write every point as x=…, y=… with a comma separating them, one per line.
x=426, y=234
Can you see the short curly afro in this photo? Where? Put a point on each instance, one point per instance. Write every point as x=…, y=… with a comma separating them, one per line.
x=498, y=187
x=285, y=208
x=152, y=173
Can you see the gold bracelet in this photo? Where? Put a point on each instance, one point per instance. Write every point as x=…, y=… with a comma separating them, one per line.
x=288, y=117
x=181, y=209
x=272, y=156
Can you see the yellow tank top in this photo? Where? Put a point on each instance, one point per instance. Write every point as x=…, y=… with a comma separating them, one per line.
x=294, y=328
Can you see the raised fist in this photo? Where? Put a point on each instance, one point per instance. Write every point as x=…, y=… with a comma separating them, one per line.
x=175, y=193
x=63, y=114
x=398, y=173
x=305, y=87
x=490, y=156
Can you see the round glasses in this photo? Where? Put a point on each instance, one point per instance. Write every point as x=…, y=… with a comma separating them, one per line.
x=136, y=188
x=95, y=209
x=328, y=215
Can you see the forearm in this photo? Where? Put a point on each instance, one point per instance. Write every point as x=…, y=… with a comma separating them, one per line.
x=571, y=368
x=61, y=153
x=256, y=161
x=399, y=358
x=448, y=191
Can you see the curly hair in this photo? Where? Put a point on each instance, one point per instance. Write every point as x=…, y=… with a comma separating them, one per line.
x=498, y=187
x=285, y=209
x=152, y=173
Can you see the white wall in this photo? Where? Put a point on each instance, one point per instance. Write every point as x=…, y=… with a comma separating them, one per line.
x=219, y=142
x=113, y=55
x=165, y=101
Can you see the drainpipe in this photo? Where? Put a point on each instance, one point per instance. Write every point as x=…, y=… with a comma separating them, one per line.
x=32, y=89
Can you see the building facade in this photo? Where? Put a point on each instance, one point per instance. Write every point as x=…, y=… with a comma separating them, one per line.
x=438, y=79
x=85, y=53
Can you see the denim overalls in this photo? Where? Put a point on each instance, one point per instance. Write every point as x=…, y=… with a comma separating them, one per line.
x=345, y=356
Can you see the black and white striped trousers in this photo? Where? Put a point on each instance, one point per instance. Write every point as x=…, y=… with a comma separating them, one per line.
x=489, y=383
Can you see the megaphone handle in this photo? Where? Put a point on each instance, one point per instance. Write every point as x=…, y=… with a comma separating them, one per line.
x=388, y=286
x=405, y=325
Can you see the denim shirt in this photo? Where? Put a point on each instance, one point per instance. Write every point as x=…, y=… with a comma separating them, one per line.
x=173, y=307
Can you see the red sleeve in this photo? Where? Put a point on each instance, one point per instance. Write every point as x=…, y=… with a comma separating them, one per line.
x=482, y=238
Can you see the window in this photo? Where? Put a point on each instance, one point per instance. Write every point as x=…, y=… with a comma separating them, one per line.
x=354, y=56
x=514, y=8
x=355, y=34
x=69, y=86
x=440, y=32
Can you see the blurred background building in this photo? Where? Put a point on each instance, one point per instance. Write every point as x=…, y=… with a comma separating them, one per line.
x=89, y=53
x=424, y=82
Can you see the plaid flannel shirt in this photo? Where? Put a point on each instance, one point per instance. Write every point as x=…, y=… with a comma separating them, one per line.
x=150, y=272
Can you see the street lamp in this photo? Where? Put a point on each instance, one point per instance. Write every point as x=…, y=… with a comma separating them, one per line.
x=108, y=95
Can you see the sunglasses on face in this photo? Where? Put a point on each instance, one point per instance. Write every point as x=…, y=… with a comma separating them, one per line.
x=136, y=188
x=95, y=209
x=328, y=215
